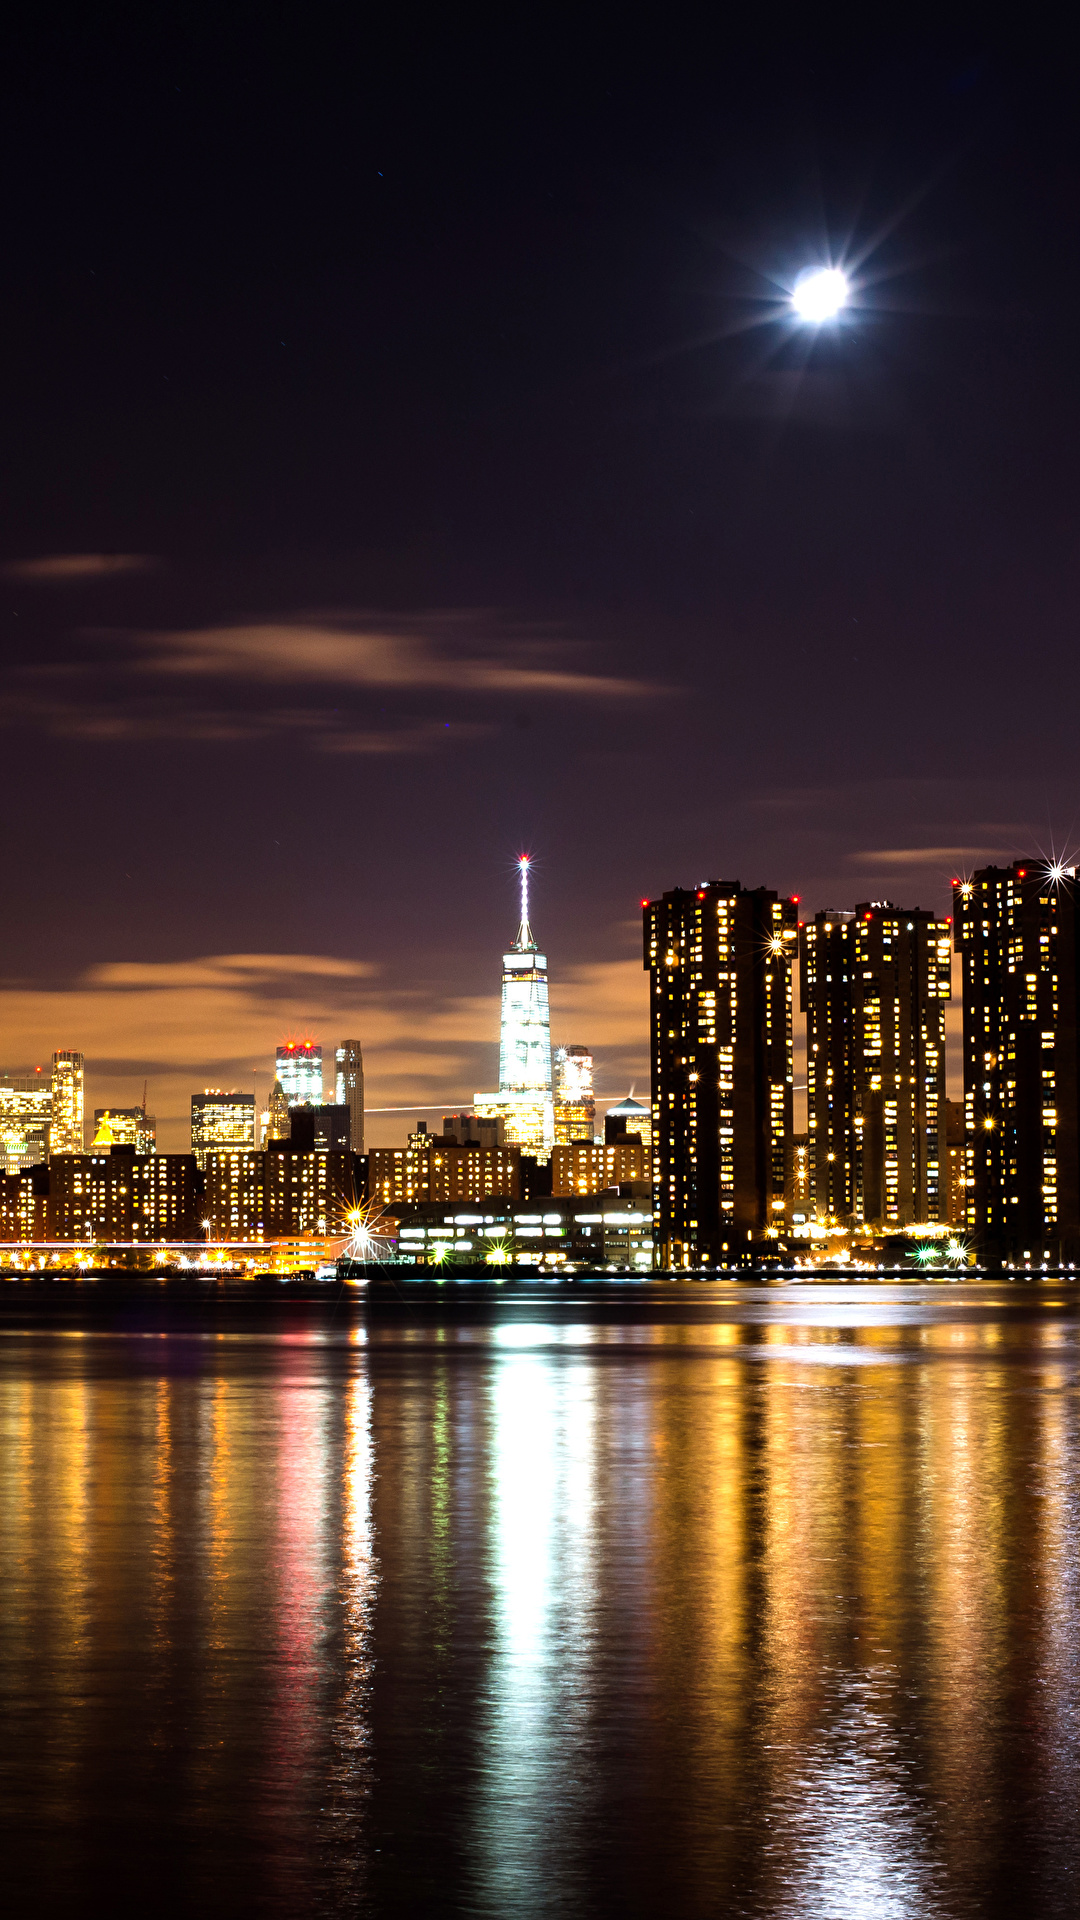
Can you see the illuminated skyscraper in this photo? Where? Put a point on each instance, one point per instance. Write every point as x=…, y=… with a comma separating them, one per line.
x=68, y=1093
x=902, y=979
x=349, y=1087
x=1016, y=929
x=873, y=985
x=827, y=997
x=524, y=1098
x=220, y=1121
x=575, y=1103
x=299, y=1069
x=719, y=960
x=25, y=1118
x=124, y=1127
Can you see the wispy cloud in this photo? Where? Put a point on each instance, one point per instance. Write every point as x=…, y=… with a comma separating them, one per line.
x=447, y=657
x=343, y=685
x=63, y=567
x=924, y=856
x=134, y=718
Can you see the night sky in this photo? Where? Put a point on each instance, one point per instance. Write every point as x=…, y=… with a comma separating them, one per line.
x=407, y=460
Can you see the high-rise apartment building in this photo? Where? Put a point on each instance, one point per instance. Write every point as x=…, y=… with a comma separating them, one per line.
x=524, y=1099
x=299, y=1069
x=575, y=1101
x=719, y=959
x=902, y=980
x=873, y=986
x=220, y=1121
x=827, y=997
x=349, y=1088
x=68, y=1095
x=124, y=1127
x=25, y=1119
x=1015, y=929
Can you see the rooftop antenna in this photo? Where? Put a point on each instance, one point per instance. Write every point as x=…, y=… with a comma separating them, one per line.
x=524, y=942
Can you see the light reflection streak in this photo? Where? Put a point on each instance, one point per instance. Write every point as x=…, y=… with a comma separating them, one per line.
x=542, y=1554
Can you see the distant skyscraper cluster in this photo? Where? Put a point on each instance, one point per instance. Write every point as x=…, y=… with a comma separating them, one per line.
x=300, y=1184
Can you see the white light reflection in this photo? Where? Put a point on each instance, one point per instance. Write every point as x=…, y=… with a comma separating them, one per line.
x=349, y=1784
x=543, y=1573
x=854, y=1846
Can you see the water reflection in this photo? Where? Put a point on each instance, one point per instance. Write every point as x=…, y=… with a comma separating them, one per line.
x=761, y=1615
x=533, y=1781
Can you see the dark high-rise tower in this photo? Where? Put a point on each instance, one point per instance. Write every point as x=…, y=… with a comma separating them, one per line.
x=1016, y=932
x=719, y=960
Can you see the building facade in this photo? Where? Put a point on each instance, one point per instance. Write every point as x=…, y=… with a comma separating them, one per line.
x=277, y=1123
x=873, y=985
x=902, y=981
x=588, y=1166
x=827, y=998
x=124, y=1127
x=123, y=1197
x=299, y=1071
x=575, y=1101
x=221, y=1121
x=349, y=1088
x=955, y=1164
x=68, y=1103
x=720, y=961
x=629, y=1116
x=430, y=1168
x=25, y=1120
x=1015, y=929
x=277, y=1195
x=599, y=1235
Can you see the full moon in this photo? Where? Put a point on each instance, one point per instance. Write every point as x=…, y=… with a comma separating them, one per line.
x=819, y=294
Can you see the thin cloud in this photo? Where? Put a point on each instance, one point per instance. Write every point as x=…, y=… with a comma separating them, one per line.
x=923, y=856
x=133, y=719
x=312, y=652
x=62, y=567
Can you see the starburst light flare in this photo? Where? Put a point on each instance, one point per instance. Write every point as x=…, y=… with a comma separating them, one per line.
x=819, y=294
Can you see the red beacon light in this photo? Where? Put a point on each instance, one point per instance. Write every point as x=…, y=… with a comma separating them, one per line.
x=644, y=903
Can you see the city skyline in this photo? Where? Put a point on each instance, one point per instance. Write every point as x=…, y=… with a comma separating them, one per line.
x=610, y=999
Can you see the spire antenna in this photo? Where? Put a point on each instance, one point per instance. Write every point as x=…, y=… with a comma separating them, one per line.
x=524, y=942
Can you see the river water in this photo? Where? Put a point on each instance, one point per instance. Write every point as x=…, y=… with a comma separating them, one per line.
x=742, y=1602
